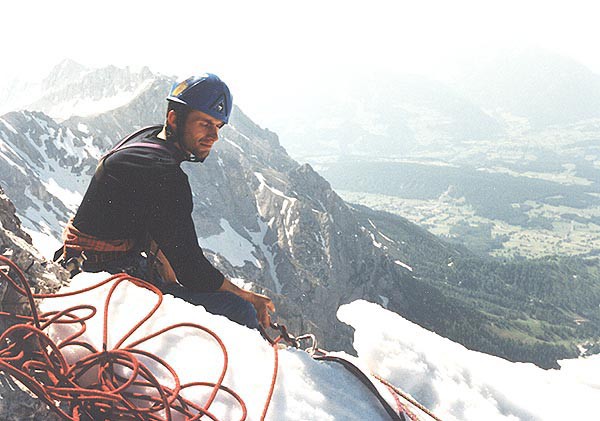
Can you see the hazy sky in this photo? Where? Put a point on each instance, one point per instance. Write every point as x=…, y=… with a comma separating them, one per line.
x=270, y=52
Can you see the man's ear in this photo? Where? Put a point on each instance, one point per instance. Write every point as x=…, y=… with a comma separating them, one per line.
x=172, y=119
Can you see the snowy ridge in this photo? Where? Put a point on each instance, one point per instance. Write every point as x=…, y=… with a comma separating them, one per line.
x=459, y=384
x=305, y=389
x=455, y=383
x=71, y=89
x=84, y=107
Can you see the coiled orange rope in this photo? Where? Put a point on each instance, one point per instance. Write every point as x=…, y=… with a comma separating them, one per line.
x=124, y=388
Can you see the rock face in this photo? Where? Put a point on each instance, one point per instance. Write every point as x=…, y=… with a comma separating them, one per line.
x=40, y=157
x=16, y=404
x=16, y=245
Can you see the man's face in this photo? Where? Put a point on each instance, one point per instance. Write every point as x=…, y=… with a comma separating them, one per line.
x=200, y=132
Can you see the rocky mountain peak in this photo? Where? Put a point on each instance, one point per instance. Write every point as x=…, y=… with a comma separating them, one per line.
x=71, y=89
x=62, y=74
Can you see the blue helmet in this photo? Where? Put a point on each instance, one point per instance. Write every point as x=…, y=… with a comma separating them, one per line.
x=206, y=93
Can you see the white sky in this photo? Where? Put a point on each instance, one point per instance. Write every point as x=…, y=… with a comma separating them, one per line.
x=273, y=51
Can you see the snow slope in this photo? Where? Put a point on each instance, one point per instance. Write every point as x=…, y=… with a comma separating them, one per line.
x=457, y=384
x=305, y=389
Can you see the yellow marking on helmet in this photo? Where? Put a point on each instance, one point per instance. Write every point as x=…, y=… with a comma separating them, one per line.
x=180, y=88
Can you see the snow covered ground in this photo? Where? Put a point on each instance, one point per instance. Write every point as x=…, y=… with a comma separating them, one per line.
x=457, y=384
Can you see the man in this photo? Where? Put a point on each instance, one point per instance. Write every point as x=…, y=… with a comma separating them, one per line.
x=139, y=195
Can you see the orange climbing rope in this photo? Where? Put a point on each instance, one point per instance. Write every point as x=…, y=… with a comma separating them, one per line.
x=273, y=379
x=124, y=388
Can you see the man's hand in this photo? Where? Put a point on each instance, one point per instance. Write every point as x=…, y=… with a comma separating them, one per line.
x=263, y=306
x=261, y=303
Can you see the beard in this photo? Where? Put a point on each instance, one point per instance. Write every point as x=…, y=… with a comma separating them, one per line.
x=203, y=154
x=201, y=157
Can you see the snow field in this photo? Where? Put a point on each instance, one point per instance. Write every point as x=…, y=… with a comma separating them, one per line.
x=305, y=390
x=452, y=381
x=459, y=384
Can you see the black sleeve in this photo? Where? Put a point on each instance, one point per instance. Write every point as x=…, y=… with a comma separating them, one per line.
x=172, y=227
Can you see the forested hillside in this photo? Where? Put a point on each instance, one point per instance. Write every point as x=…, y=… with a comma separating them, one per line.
x=532, y=310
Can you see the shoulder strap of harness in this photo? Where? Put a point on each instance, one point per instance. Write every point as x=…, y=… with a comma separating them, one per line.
x=122, y=143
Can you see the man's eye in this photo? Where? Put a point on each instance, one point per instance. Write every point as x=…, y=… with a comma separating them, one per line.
x=208, y=124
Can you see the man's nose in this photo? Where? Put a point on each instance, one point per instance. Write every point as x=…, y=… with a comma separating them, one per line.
x=213, y=137
x=214, y=133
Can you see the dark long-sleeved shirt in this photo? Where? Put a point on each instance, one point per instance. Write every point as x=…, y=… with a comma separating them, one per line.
x=138, y=191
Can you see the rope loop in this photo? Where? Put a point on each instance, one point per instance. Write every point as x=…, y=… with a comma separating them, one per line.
x=113, y=383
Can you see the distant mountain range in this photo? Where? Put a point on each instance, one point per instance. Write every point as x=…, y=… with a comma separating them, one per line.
x=544, y=88
x=73, y=89
x=395, y=115
x=384, y=115
x=263, y=217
